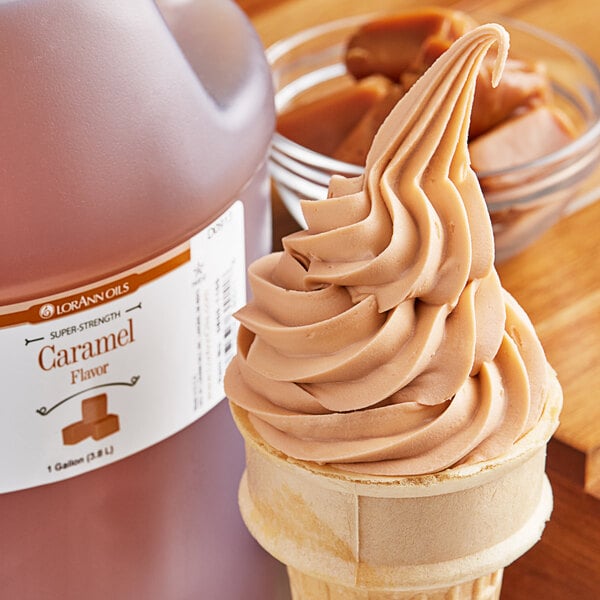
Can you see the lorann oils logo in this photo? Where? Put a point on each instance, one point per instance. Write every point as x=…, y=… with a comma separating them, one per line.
x=74, y=304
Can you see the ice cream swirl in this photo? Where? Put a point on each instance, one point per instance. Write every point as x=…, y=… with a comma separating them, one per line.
x=381, y=340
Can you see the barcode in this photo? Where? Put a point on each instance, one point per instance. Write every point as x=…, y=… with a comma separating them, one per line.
x=228, y=323
x=218, y=282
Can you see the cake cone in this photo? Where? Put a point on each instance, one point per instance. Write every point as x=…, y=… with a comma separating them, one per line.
x=441, y=536
x=305, y=587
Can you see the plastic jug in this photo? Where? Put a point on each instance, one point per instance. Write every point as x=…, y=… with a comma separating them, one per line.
x=133, y=189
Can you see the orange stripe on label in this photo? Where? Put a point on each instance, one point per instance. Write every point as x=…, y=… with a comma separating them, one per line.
x=93, y=296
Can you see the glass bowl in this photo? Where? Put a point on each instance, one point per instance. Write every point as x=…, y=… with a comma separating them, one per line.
x=523, y=200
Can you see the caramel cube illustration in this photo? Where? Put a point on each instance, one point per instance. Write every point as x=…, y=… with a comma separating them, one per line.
x=93, y=409
x=76, y=432
x=96, y=422
x=105, y=426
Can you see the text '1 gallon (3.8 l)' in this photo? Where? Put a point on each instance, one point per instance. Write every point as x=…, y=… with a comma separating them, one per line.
x=133, y=190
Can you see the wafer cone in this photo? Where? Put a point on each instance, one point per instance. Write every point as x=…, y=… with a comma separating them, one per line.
x=446, y=535
x=306, y=587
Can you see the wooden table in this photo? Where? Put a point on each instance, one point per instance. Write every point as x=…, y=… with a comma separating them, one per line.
x=557, y=281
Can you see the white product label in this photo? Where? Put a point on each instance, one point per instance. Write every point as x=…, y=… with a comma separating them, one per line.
x=94, y=375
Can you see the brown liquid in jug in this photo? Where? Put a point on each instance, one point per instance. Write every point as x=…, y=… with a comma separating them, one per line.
x=120, y=138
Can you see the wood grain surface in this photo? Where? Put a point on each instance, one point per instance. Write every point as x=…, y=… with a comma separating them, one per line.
x=557, y=281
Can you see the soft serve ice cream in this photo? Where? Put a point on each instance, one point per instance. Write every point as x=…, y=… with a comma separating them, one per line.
x=380, y=340
x=394, y=400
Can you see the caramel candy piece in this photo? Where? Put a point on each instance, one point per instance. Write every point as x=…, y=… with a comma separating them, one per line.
x=322, y=123
x=387, y=56
x=75, y=433
x=394, y=44
x=356, y=144
x=93, y=409
x=405, y=45
x=105, y=427
x=521, y=139
x=523, y=85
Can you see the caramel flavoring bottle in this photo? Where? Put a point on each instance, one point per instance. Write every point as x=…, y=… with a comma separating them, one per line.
x=133, y=190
